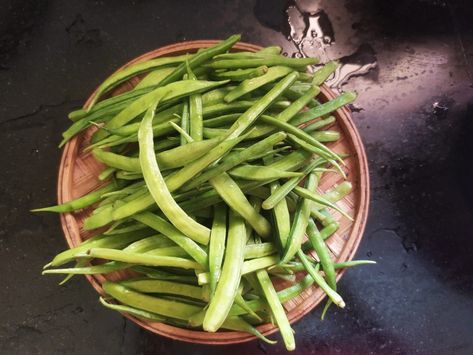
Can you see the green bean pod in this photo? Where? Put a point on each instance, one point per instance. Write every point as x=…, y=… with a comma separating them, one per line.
x=325, y=108
x=259, y=250
x=182, y=176
x=322, y=123
x=161, y=306
x=298, y=104
x=277, y=309
x=158, y=188
x=227, y=285
x=81, y=269
x=260, y=172
x=103, y=241
x=323, y=73
x=217, y=245
x=201, y=57
x=269, y=60
x=195, y=112
x=307, y=194
x=250, y=85
x=169, y=159
x=279, y=193
x=174, y=90
x=130, y=71
x=142, y=259
x=299, y=224
x=161, y=225
x=235, y=198
x=281, y=218
x=155, y=77
x=241, y=74
x=185, y=121
x=81, y=202
x=146, y=285
x=133, y=311
x=319, y=280
x=250, y=115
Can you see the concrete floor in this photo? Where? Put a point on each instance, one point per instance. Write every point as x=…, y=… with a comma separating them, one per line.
x=414, y=114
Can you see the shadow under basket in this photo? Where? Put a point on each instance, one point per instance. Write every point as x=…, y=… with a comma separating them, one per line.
x=78, y=175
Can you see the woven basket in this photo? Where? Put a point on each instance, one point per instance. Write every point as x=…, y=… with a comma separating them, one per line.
x=78, y=175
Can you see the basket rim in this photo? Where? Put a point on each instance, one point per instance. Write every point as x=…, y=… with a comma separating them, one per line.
x=70, y=227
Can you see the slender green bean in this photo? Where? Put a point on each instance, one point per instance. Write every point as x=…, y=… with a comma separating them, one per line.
x=299, y=224
x=169, y=159
x=292, y=161
x=162, y=226
x=298, y=104
x=277, y=309
x=155, y=77
x=279, y=193
x=268, y=60
x=80, y=202
x=90, y=270
x=325, y=233
x=227, y=286
x=270, y=50
x=161, y=306
x=183, y=134
x=158, y=188
x=307, y=194
x=260, y=172
x=273, y=50
x=155, y=273
x=145, y=285
x=173, y=90
x=195, y=111
x=323, y=73
x=250, y=116
x=169, y=251
x=130, y=71
x=259, y=250
x=217, y=245
x=200, y=58
x=326, y=136
x=142, y=259
x=323, y=253
x=281, y=218
x=182, y=176
x=105, y=241
x=184, y=121
x=133, y=311
x=149, y=243
x=127, y=228
x=236, y=199
x=299, y=133
x=240, y=301
x=325, y=108
x=232, y=323
x=352, y=263
x=238, y=107
x=221, y=120
x=319, y=280
x=241, y=74
x=250, y=85
x=106, y=173
x=322, y=123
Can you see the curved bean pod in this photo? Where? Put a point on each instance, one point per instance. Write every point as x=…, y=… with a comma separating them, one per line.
x=158, y=188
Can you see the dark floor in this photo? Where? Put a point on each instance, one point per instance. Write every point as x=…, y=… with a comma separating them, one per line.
x=415, y=114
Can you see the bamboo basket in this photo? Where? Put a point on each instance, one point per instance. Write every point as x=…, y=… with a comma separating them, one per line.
x=78, y=173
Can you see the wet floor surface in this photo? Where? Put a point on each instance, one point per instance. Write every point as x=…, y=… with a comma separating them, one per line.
x=411, y=62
